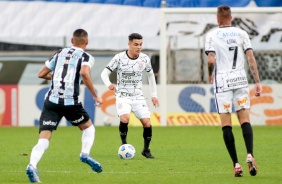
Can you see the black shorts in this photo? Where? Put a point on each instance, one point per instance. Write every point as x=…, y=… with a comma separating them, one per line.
x=52, y=114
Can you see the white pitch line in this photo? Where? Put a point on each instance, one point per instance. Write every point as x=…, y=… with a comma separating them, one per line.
x=105, y=172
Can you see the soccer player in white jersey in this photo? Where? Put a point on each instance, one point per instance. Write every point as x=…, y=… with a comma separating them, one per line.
x=66, y=69
x=226, y=47
x=130, y=66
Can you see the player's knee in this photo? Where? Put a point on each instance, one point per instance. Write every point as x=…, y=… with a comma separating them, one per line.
x=124, y=119
x=146, y=123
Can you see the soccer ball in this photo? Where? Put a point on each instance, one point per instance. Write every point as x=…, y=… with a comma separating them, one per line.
x=126, y=151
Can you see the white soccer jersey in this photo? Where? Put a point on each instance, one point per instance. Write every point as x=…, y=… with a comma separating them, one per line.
x=129, y=73
x=229, y=45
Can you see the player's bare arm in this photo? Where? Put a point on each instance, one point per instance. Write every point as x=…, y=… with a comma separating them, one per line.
x=45, y=73
x=254, y=70
x=253, y=65
x=86, y=77
x=211, y=61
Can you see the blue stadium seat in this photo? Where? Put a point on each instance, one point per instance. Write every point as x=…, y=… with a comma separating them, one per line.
x=268, y=3
x=234, y=3
x=133, y=2
x=173, y=3
x=57, y=1
x=120, y=2
x=152, y=3
x=213, y=3
x=190, y=3
x=94, y=1
x=75, y=1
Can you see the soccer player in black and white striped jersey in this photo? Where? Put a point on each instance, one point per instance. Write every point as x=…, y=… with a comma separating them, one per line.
x=130, y=66
x=66, y=69
x=225, y=47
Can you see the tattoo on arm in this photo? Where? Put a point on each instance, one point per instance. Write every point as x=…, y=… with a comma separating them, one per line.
x=211, y=61
x=210, y=68
x=253, y=66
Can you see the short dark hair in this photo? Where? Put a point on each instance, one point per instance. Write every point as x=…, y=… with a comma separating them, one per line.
x=224, y=11
x=80, y=35
x=133, y=36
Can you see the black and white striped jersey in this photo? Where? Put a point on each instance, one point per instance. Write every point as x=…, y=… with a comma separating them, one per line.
x=65, y=83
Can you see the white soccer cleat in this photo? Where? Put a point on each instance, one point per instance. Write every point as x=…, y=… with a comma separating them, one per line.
x=252, y=165
x=238, y=170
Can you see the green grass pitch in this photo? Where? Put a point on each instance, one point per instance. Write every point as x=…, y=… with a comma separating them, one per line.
x=195, y=155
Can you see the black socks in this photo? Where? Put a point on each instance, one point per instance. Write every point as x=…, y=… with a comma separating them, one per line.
x=123, y=129
x=229, y=141
x=147, y=135
x=248, y=136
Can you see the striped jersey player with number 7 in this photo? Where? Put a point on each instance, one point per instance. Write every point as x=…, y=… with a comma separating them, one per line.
x=225, y=47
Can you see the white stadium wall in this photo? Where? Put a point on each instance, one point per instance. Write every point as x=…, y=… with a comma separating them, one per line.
x=187, y=105
x=109, y=25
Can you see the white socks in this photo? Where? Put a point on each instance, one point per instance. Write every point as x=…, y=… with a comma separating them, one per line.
x=38, y=150
x=87, y=139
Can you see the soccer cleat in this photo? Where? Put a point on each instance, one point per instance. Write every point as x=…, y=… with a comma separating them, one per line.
x=238, y=170
x=147, y=154
x=32, y=174
x=252, y=165
x=96, y=166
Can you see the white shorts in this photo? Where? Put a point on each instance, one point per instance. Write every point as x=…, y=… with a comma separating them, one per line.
x=240, y=98
x=138, y=106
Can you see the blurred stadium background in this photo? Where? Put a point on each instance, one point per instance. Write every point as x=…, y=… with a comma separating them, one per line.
x=31, y=31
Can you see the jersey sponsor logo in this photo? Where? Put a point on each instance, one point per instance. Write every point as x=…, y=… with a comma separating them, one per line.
x=130, y=81
x=227, y=107
x=61, y=96
x=128, y=75
x=78, y=120
x=223, y=35
x=242, y=102
x=238, y=84
x=51, y=123
x=237, y=79
x=130, y=78
x=69, y=55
